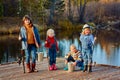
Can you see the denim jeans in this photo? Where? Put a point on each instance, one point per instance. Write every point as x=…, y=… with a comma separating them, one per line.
x=87, y=56
x=52, y=55
x=31, y=50
x=70, y=58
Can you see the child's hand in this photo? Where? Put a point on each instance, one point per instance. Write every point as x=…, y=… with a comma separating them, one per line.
x=57, y=51
x=45, y=42
x=68, y=54
x=37, y=45
x=82, y=32
x=19, y=38
x=95, y=38
x=74, y=63
x=80, y=59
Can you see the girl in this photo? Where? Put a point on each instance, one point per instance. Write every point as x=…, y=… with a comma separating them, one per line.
x=87, y=41
x=30, y=39
x=52, y=46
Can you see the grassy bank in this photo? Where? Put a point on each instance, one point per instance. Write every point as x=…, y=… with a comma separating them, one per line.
x=12, y=30
x=12, y=26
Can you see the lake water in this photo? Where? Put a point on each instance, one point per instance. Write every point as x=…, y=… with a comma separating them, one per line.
x=106, y=48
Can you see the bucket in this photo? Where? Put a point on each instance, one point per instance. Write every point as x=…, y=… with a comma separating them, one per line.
x=70, y=67
x=40, y=56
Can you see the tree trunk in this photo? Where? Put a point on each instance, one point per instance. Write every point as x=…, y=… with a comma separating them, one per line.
x=1, y=9
x=51, y=16
x=70, y=17
x=81, y=11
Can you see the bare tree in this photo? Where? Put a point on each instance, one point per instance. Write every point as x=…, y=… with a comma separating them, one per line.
x=81, y=10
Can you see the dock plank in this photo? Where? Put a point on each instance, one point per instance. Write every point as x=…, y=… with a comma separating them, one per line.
x=100, y=72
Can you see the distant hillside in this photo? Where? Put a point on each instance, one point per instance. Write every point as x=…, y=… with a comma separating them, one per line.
x=108, y=1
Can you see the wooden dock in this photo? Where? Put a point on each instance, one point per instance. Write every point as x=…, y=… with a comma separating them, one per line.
x=15, y=72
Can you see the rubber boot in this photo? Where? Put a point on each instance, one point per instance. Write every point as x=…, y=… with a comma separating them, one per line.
x=66, y=67
x=85, y=68
x=28, y=68
x=51, y=67
x=33, y=68
x=54, y=67
x=81, y=67
x=89, y=68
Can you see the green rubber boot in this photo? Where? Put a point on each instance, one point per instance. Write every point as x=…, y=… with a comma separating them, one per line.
x=82, y=68
x=66, y=68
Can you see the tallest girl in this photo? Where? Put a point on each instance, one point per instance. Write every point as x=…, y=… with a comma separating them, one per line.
x=30, y=39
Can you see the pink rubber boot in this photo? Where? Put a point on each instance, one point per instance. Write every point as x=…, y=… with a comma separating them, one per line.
x=51, y=68
x=54, y=67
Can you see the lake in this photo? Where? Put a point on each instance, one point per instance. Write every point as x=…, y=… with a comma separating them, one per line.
x=106, y=49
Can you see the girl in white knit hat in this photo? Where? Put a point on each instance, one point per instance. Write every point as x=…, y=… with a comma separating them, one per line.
x=87, y=40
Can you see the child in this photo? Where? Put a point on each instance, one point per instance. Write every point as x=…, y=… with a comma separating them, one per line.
x=74, y=56
x=87, y=41
x=52, y=46
x=30, y=40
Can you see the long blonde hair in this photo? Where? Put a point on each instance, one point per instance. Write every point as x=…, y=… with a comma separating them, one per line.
x=83, y=31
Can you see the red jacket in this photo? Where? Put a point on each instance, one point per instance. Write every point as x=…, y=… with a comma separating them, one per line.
x=50, y=41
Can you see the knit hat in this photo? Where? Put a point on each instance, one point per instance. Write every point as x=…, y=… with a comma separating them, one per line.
x=26, y=17
x=86, y=26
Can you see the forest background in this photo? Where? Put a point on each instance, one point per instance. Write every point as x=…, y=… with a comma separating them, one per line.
x=59, y=14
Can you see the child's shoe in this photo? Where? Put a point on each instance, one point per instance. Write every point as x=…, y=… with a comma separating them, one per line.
x=85, y=68
x=54, y=67
x=51, y=68
x=65, y=68
x=81, y=68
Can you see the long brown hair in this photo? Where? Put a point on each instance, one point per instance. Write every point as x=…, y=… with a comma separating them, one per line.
x=27, y=17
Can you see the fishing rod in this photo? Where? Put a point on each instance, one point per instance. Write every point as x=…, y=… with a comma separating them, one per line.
x=21, y=59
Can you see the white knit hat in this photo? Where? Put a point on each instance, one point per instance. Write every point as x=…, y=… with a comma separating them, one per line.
x=86, y=26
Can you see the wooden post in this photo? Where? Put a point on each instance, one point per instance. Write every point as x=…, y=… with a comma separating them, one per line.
x=40, y=56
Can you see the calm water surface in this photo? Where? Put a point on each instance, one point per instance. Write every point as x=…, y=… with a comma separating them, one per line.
x=106, y=48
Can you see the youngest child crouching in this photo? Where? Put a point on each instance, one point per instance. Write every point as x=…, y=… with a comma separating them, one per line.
x=75, y=57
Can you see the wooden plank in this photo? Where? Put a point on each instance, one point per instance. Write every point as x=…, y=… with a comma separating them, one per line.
x=100, y=72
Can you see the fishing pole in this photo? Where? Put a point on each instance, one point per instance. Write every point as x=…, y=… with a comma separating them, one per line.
x=23, y=59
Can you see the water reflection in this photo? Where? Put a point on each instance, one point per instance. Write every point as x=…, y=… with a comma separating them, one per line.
x=9, y=48
x=108, y=40
x=100, y=56
x=106, y=49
